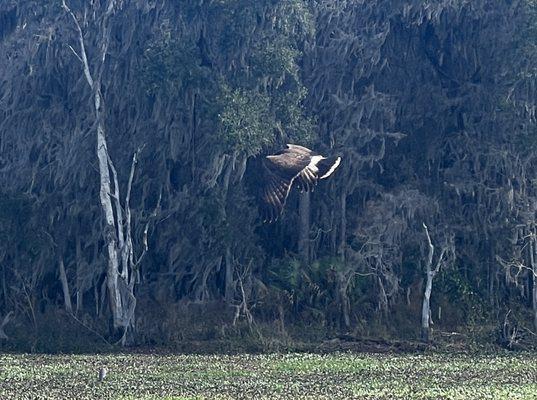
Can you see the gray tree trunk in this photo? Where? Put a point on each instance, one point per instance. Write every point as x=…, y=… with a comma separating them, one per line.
x=343, y=227
x=229, y=284
x=533, y=258
x=4, y=285
x=79, y=291
x=120, y=294
x=343, y=281
x=534, y=299
x=430, y=274
x=65, y=287
x=304, y=230
x=426, y=306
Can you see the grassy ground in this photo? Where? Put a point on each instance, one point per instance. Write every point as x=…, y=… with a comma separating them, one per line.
x=312, y=376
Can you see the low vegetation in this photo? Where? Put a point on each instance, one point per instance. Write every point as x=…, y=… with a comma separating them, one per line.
x=314, y=376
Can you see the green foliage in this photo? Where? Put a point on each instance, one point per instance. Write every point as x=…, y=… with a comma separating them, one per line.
x=254, y=103
x=284, y=274
x=171, y=65
x=306, y=290
x=245, y=120
x=290, y=20
x=309, y=282
x=263, y=101
x=457, y=290
x=275, y=59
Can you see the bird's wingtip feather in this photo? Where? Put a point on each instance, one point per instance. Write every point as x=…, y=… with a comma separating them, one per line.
x=332, y=168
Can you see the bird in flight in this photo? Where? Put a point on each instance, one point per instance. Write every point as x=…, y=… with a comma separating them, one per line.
x=292, y=164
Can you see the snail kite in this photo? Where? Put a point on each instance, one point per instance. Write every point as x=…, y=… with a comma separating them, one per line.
x=294, y=164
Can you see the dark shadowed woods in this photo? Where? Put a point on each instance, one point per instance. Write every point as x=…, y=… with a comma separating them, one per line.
x=130, y=138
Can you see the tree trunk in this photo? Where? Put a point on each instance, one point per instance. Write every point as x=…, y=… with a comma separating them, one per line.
x=4, y=285
x=112, y=272
x=426, y=306
x=65, y=287
x=120, y=285
x=534, y=298
x=343, y=227
x=304, y=230
x=533, y=249
x=229, y=284
x=79, y=292
x=342, y=286
x=491, y=273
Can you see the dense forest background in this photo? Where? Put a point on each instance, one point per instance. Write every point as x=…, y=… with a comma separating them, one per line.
x=130, y=136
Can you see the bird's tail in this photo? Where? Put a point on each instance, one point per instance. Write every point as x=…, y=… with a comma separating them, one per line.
x=327, y=166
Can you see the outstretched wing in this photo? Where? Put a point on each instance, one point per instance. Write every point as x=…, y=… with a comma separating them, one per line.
x=307, y=177
x=279, y=172
x=293, y=164
x=327, y=166
x=319, y=168
x=274, y=194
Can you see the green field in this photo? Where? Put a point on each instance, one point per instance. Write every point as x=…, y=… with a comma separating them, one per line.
x=284, y=376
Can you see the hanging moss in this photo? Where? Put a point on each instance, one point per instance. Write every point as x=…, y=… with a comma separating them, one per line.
x=426, y=101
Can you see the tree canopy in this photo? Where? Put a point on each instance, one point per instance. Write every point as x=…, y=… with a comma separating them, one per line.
x=431, y=105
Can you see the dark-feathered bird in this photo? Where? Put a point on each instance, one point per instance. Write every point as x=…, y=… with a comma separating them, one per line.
x=293, y=164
